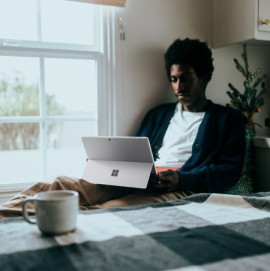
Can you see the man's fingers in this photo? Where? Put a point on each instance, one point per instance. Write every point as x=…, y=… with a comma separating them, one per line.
x=154, y=177
x=166, y=173
x=163, y=181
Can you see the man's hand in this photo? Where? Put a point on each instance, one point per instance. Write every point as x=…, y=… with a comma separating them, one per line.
x=165, y=181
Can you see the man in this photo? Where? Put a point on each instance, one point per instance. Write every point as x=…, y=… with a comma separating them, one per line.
x=202, y=143
x=206, y=141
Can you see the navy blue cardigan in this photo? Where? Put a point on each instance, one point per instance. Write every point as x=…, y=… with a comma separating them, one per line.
x=218, y=151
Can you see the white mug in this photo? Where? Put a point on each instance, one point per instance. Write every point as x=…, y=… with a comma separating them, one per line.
x=56, y=211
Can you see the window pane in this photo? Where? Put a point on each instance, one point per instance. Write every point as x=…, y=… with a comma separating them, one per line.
x=48, y=91
x=60, y=23
x=66, y=155
x=18, y=19
x=19, y=136
x=72, y=84
x=19, y=89
x=20, y=157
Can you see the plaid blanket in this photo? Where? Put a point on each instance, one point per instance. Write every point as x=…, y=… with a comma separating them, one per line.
x=200, y=232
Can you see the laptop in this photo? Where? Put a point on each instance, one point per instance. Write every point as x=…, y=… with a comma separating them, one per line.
x=118, y=161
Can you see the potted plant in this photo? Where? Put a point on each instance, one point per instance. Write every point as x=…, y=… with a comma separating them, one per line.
x=251, y=100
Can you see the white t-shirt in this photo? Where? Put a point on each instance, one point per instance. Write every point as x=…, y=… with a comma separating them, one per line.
x=178, y=140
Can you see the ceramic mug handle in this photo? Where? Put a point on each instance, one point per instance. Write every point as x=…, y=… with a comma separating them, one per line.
x=25, y=213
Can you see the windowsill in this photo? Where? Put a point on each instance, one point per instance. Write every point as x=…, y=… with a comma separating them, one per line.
x=14, y=188
x=7, y=191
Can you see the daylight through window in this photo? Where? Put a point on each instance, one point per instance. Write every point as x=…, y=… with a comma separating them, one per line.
x=50, y=61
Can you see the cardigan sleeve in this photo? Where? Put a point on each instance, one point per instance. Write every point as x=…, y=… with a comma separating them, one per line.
x=218, y=156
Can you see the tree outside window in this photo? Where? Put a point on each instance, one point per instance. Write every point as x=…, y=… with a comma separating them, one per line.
x=17, y=98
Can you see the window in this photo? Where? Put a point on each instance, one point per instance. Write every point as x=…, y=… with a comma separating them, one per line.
x=51, y=67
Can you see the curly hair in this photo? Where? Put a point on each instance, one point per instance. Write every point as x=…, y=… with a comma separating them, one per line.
x=191, y=52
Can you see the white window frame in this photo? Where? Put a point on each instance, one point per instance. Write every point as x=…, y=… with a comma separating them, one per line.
x=106, y=70
x=113, y=72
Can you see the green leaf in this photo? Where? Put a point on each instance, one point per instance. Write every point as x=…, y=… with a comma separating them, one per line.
x=233, y=88
x=250, y=100
x=240, y=68
x=258, y=81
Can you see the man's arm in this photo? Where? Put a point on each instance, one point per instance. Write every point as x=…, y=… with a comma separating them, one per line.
x=223, y=170
x=216, y=164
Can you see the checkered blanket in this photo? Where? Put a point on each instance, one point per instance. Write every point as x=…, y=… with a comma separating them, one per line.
x=200, y=232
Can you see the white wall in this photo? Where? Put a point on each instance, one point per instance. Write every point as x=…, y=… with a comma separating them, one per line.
x=151, y=26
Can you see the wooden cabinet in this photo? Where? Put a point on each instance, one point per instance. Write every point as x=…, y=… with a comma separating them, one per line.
x=237, y=21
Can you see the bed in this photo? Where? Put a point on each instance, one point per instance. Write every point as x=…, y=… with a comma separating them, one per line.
x=200, y=232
